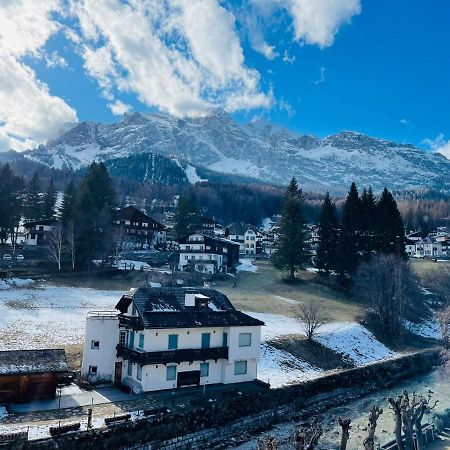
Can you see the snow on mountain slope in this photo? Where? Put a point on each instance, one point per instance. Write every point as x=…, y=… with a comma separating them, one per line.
x=258, y=150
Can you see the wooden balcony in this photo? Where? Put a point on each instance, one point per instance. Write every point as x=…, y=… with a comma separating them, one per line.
x=132, y=322
x=171, y=356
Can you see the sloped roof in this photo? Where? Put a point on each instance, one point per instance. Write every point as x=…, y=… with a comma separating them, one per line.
x=134, y=215
x=14, y=362
x=165, y=308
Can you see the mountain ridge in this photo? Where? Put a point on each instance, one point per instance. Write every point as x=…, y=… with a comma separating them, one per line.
x=257, y=150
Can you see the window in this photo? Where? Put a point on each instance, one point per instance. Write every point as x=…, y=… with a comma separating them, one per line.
x=245, y=339
x=206, y=340
x=141, y=341
x=130, y=369
x=225, y=340
x=204, y=369
x=122, y=338
x=131, y=341
x=133, y=309
x=240, y=367
x=95, y=345
x=171, y=373
x=41, y=228
x=139, y=372
x=92, y=370
x=173, y=341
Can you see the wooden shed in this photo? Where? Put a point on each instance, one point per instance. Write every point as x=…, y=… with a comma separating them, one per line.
x=30, y=374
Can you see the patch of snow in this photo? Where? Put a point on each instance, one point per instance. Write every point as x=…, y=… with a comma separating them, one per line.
x=3, y=412
x=279, y=368
x=192, y=176
x=246, y=265
x=155, y=284
x=276, y=325
x=12, y=283
x=312, y=269
x=129, y=264
x=353, y=342
x=429, y=329
x=287, y=300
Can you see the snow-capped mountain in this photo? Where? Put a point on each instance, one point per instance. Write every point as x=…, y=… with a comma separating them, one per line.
x=258, y=150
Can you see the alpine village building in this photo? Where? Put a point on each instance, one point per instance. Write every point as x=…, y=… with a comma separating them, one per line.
x=166, y=338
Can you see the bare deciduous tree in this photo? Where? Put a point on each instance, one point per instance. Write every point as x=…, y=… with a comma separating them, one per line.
x=119, y=239
x=387, y=283
x=56, y=243
x=267, y=443
x=369, y=442
x=311, y=317
x=307, y=437
x=397, y=411
x=71, y=242
x=344, y=423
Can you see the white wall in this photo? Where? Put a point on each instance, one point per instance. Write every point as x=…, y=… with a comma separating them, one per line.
x=104, y=329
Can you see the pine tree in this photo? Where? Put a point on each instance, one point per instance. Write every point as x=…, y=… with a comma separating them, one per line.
x=93, y=215
x=349, y=236
x=368, y=221
x=10, y=203
x=49, y=202
x=33, y=202
x=67, y=211
x=391, y=231
x=187, y=217
x=292, y=249
x=328, y=236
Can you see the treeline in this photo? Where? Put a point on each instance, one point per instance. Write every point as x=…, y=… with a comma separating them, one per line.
x=368, y=226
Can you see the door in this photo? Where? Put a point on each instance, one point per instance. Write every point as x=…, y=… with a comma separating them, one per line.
x=206, y=340
x=117, y=373
x=188, y=378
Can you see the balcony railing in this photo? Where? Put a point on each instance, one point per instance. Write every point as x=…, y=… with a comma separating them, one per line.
x=133, y=322
x=172, y=356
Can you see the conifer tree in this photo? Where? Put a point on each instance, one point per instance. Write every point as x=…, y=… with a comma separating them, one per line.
x=368, y=221
x=11, y=199
x=328, y=236
x=33, y=202
x=391, y=231
x=349, y=236
x=93, y=216
x=292, y=249
x=67, y=211
x=49, y=201
x=187, y=217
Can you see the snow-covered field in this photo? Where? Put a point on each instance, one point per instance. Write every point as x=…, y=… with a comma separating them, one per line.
x=41, y=315
x=354, y=342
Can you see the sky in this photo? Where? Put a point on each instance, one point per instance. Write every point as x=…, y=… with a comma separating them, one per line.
x=379, y=67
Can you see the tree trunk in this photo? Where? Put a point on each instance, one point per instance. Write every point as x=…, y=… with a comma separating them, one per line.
x=419, y=437
x=409, y=432
x=369, y=442
x=292, y=273
x=398, y=422
x=345, y=426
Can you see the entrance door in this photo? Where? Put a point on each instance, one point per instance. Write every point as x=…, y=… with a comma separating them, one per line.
x=117, y=373
x=188, y=378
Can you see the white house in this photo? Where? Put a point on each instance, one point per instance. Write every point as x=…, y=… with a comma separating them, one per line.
x=165, y=338
x=37, y=232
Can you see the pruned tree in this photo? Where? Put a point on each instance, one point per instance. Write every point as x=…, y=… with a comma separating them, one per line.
x=56, y=243
x=345, y=424
x=395, y=403
x=118, y=241
x=369, y=442
x=267, y=443
x=307, y=436
x=311, y=317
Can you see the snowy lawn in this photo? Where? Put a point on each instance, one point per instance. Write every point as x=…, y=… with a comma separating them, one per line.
x=246, y=265
x=41, y=315
x=427, y=329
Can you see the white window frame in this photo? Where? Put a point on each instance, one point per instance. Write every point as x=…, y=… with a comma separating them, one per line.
x=95, y=344
x=93, y=370
x=167, y=373
x=245, y=339
x=241, y=372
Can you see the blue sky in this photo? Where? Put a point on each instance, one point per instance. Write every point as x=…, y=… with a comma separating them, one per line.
x=380, y=67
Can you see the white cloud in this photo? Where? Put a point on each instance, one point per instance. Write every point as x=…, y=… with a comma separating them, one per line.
x=55, y=60
x=182, y=57
x=119, y=108
x=287, y=58
x=404, y=121
x=321, y=78
x=439, y=145
x=29, y=114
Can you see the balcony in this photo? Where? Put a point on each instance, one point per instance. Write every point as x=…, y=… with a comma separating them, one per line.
x=172, y=356
x=133, y=322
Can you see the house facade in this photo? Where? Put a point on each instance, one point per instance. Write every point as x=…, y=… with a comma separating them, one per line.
x=207, y=254
x=137, y=230
x=165, y=338
x=37, y=233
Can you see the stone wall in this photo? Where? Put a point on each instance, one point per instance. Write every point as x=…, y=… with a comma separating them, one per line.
x=245, y=412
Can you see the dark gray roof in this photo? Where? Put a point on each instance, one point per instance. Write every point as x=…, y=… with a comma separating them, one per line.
x=165, y=308
x=14, y=362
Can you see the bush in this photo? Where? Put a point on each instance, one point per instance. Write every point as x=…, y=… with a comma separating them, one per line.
x=55, y=431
